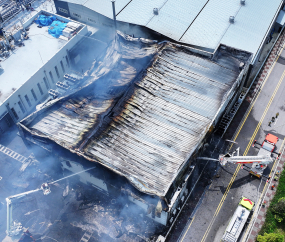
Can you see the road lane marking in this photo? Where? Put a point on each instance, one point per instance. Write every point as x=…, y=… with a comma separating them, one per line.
x=188, y=229
x=245, y=153
x=257, y=95
x=220, y=204
x=265, y=112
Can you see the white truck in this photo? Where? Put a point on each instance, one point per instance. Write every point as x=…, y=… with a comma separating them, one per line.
x=238, y=220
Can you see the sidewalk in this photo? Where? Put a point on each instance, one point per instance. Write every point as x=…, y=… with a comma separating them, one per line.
x=259, y=218
x=266, y=68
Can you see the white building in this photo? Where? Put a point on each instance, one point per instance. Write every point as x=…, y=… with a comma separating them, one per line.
x=31, y=70
x=202, y=24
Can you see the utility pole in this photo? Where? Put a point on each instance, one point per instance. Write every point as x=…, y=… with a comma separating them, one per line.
x=114, y=14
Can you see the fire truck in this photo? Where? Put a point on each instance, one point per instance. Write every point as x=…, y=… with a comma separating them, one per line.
x=260, y=161
x=238, y=220
x=265, y=149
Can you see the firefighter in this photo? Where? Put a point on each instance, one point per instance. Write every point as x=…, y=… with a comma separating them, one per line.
x=276, y=176
x=264, y=204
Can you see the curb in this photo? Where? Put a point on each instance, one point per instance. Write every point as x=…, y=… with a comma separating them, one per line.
x=266, y=197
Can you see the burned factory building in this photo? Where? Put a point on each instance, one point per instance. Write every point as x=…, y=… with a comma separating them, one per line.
x=140, y=116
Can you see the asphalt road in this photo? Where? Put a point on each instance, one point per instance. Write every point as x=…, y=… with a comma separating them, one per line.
x=223, y=195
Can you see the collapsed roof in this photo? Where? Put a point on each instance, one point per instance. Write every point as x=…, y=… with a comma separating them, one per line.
x=143, y=111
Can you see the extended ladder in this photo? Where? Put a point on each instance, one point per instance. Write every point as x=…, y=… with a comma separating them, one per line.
x=229, y=238
x=12, y=154
x=86, y=237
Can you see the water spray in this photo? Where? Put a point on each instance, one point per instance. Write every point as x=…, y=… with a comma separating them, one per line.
x=70, y=175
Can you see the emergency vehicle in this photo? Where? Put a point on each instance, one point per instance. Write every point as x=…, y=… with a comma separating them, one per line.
x=238, y=220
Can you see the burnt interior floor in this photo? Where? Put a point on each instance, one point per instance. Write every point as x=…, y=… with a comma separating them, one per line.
x=73, y=210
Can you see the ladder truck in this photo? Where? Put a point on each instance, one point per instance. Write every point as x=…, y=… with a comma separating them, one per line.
x=14, y=228
x=266, y=148
x=259, y=162
x=238, y=220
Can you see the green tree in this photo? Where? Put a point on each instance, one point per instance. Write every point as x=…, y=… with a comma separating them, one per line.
x=279, y=210
x=272, y=237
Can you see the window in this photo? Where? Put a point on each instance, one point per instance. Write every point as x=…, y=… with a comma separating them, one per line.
x=14, y=113
x=46, y=83
x=62, y=67
x=40, y=88
x=28, y=100
x=34, y=95
x=67, y=61
x=76, y=15
x=57, y=73
x=21, y=107
x=91, y=20
x=51, y=76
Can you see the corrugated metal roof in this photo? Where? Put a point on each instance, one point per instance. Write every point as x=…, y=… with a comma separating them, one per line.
x=167, y=20
x=80, y=2
x=148, y=134
x=203, y=23
x=211, y=24
x=251, y=25
x=139, y=12
x=104, y=7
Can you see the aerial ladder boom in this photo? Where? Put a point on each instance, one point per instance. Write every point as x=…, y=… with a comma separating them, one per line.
x=262, y=159
x=14, y=228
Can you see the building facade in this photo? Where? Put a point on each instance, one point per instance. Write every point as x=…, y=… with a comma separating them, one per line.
x=42, y=63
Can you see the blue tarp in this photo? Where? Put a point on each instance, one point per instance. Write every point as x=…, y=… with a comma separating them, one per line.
x=43, y=20
x=56, y=28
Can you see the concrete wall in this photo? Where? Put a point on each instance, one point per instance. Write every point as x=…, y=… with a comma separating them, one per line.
x=82, y=14
x=12, y=102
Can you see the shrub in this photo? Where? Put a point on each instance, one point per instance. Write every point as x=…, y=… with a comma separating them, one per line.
x=273, y=237
x=271, y=224
x=279, y=210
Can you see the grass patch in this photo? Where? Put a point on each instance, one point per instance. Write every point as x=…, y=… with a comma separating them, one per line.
x=271, y=225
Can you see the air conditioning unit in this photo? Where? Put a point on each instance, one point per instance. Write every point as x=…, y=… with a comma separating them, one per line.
x=232, y=19
x=155, y=11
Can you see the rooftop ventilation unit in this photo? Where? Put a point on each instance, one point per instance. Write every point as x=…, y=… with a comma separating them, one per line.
x=53, y=93
x=71, y=78
x=155, y=11
x=62, y=85
x=242, y=2
x=232, y=19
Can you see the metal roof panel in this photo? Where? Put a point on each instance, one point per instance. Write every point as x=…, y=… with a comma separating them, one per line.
x=251, y=24
x=175, y=16
x=211, y=24
x=140, y=12
x=104, y=7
